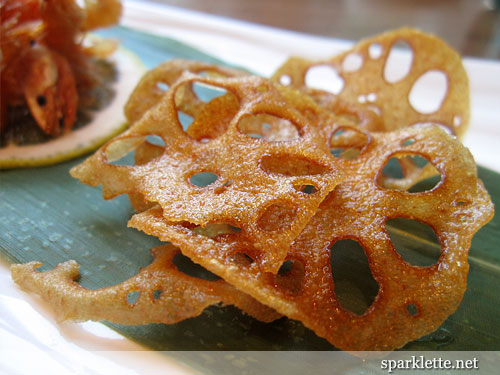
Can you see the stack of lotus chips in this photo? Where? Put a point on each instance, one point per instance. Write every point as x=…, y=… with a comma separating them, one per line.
x=256, y=179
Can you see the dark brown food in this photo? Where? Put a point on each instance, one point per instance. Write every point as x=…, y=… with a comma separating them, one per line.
x=44, y=65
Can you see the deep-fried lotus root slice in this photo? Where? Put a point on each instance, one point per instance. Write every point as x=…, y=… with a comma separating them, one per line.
x=144, y=154
x=159, y=293
x=255, y=177
x=362, y=71
x=148, y=151
x=412, y=301
x=156, y=82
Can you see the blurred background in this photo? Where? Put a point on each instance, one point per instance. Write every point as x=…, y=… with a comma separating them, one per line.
x=470, y=26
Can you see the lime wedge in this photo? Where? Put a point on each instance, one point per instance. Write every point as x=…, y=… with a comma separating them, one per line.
x=106, y=123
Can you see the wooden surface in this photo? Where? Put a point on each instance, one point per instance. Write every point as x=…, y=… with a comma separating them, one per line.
x=470, y=26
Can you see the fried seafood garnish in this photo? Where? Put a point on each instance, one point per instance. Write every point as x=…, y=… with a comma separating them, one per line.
x=365, y=81
x=159, y=293
x=412, y=301
x=44, y=64
x=255, y=178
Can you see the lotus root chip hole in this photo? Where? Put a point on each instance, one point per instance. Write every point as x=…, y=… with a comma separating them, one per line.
x=324, y=77
x=408, y=142
x=277, y=217
x=460, y=202
x=290, y=166
x=147, y=151
x=204, y=111
x=399, y=62
x=126, y=160
x=187, y=266
x=121, y=151
x=157, y=294
x=415, y=241
x=347, y=143
x=133, y=296
x=355, y=287
x=290, y=277
x=402, y=171
x=184, y=119
x=429, y=91
x=371, y=97
x=254, y=135
x=345, y=153
x=285, y=80
x=352, y=62
x=206, y=92
x=215, y=229
x=306, y=189
x=285, y=268
x=425, y=185
x=268, y=127
x=393, y=169
x=203, y=179
x=155, y=140
x=162, y=86
x=375, y=51
x=412, y=309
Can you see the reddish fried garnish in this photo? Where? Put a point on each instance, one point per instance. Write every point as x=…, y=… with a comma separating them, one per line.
x=44, y=65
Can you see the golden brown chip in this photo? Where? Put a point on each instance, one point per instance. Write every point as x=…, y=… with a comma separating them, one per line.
x=157, y=81
x=159, y=293
x=412, y=301
x=365, y=79
x=144, y=154
x=253, y=175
